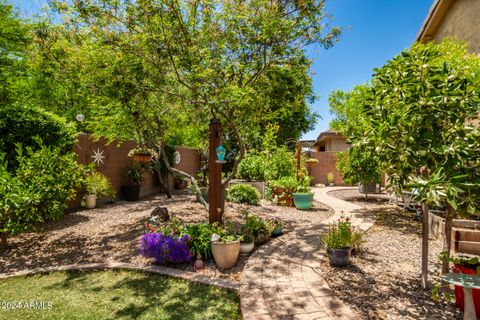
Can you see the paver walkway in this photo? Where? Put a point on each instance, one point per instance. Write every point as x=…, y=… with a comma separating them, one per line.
x=283, y=280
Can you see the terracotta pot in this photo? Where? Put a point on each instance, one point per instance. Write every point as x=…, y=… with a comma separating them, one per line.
x=225, y=254
x=246, y=248
x=339, y=257
x=91, y=201
x=142, y=157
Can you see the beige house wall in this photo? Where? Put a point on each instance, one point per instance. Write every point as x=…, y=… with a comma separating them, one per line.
x=336, y=145
x=462, y=21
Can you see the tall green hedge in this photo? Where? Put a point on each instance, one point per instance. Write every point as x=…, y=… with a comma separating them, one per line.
x=32, y=127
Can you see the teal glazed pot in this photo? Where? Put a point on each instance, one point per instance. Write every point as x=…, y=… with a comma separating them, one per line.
x=303, y=201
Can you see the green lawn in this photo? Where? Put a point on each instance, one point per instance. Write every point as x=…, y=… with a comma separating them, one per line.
x=115, y=295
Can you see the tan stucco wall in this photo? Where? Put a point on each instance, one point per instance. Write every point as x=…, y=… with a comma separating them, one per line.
x=462, y=21
x=336, y=145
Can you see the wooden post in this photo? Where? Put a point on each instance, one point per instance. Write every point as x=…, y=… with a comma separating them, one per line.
x=425, y=234
x=298, y=149
x=215, y=191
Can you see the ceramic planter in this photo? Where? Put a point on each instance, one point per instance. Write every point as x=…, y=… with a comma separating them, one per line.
x=142, y=157
x=277, y=230
x=459, y=295
x=225, y=254
x=339, y=257
x=303, y=201
x=367, y=188
x=91, y=201
x=246, y=248
x=131, y=192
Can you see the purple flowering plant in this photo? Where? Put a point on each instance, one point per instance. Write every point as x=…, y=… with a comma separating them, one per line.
x=165, y=248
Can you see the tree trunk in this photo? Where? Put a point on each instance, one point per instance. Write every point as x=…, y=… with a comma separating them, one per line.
x=425, y=232
x=164, y=185
x=3, y=244
x=448, y=238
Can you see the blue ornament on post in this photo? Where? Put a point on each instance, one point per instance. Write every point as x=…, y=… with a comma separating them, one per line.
x=221, y=151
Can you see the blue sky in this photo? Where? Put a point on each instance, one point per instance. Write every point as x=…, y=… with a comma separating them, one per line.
x=374, y=31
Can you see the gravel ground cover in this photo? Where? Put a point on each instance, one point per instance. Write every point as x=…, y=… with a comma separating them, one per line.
x=383, y=282
x=111, y=233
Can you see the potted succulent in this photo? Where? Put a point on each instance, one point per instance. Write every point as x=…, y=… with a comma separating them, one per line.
x=330, y=177
x=225, y=248
x=142, y=154
x=303, y=196
x=131, y=192
x=261, y=228
x=338, y=241
x=277, y=225
x=96, y=186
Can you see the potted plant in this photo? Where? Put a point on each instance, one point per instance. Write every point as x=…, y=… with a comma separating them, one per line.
x=471, y=266
x=142, y=154
x=261, y=228
x=330, y=177
x=246, y=243
x=338, y=241
x=277, y=225
x=131, y=192
x=225, y=248
x=282, y=190
x=303, y=197
x=96, y=186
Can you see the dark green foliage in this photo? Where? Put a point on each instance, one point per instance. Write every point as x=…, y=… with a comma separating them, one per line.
x=252, y=168
x=39, y=189
x=243, y=193
x=32, y=127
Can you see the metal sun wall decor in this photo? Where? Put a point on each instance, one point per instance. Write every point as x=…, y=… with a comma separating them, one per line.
x=98, y=154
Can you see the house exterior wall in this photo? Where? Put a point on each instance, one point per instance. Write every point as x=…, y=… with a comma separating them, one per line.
x=337, y=145
x=462, y=21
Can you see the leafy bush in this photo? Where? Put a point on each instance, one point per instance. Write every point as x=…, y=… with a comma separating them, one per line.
x=39, y=189
x=243, y=193
x=260, y=228
x=358, y=166
x=165, y=248
x=99, y=185
x=200, y=235
x=251, y=168
x=339, y=235
x=280, y=164
x=290, y=184
x=33, y=127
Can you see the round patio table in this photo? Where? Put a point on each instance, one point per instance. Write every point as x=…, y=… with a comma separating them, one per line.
x=468, y=282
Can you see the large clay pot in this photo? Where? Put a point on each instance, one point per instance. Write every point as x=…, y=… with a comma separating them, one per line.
x=339, y=257
x=142, y=157
x=225, y=254
x=367, y=188
x=303, y=201
x=91, y=201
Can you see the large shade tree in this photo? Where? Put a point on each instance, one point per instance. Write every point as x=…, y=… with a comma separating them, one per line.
x=205, y=58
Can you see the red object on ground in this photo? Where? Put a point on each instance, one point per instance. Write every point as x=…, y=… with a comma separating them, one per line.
x=459, y=299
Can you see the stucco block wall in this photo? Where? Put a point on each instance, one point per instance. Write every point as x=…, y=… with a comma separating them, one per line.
x=326, y=163
x=462, y=21
x=115, y=163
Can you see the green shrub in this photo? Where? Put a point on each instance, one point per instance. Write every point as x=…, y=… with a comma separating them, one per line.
x=243, y=193
x=33, y=127
x=280, y=164
x=251, y=168
x=39, y=189
x=97, y=184
x=290, y=184
x=200, y=235
x=260, y=228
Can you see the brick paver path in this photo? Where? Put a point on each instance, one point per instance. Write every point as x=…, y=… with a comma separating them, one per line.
x=283, y=280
